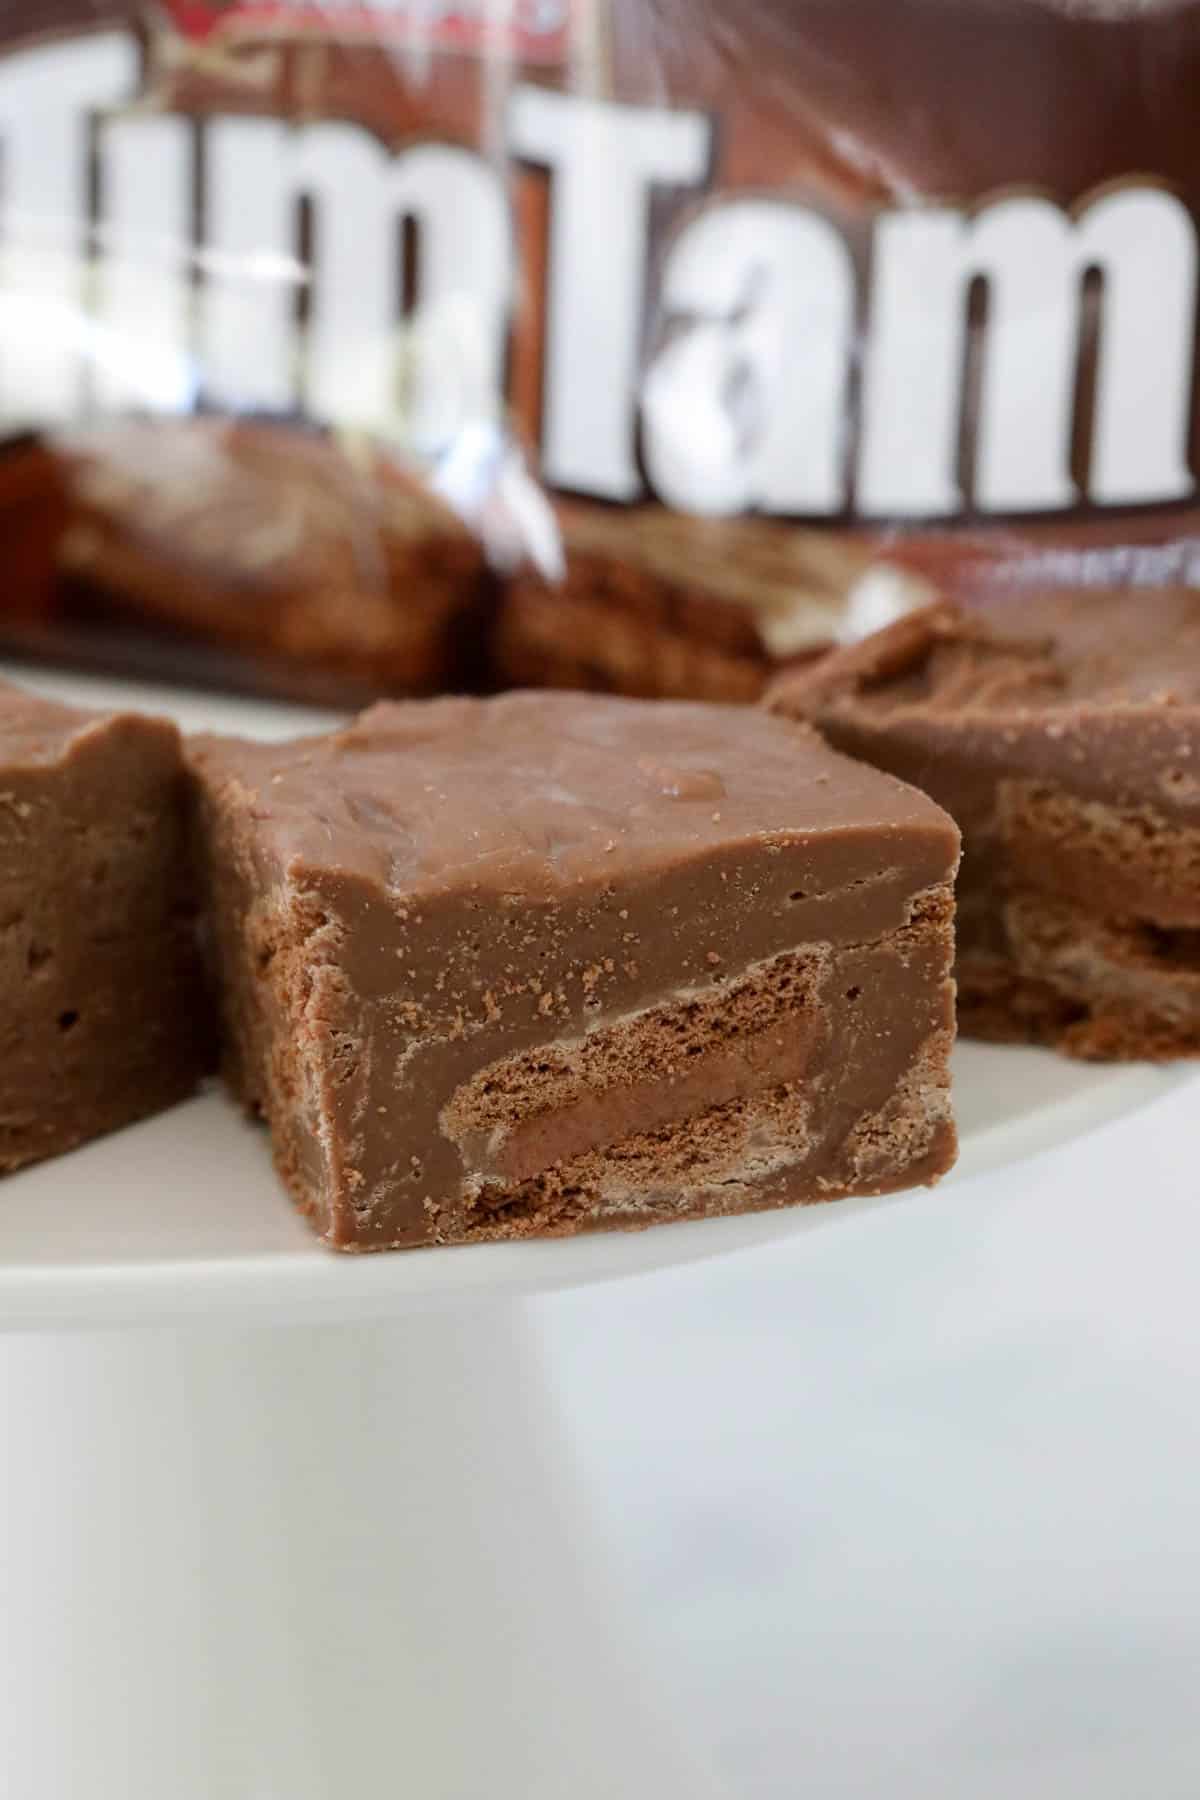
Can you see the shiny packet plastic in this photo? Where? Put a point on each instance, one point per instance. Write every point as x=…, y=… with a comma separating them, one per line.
x=649, y=345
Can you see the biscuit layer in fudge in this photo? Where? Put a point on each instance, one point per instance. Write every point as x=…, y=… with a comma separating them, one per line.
x=545, y=963
x=1063, y=733
x=104, y=1019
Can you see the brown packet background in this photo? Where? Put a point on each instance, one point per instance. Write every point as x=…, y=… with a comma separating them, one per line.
x=409, y=345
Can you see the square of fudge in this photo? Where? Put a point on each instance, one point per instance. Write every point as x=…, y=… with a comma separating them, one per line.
x=267, y=555
x=547, y=963
x=1062, y=731
x=106, y=1018
x=657, y=605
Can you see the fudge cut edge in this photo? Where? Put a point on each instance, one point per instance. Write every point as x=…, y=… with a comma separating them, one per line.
x=106, y=1018
x=752, y=1022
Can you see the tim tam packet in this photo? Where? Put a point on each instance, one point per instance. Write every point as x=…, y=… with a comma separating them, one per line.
x=404, y=344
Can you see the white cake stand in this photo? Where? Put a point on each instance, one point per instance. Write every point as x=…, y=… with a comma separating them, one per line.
x=312, y=1531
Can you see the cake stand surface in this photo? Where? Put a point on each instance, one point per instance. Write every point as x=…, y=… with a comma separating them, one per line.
x=313, y=1531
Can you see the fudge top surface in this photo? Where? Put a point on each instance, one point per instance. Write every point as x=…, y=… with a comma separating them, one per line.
x=1085, y=653
x=547, y=792
x=38, y=733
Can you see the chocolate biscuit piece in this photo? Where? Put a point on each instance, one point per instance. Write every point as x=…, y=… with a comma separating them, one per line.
x=656, y=605
x=105, y=1019
x=274, y=542
x=541, y=964
x=1062, y=731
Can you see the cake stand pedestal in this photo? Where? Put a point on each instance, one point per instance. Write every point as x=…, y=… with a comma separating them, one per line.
x=309, y=1563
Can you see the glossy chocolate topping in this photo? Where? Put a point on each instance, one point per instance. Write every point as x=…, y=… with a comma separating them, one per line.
x=547, y=793
x=1100, y=691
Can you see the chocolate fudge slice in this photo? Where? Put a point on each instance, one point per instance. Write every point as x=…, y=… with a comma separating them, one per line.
x=276, y=543
x=659, y=605
x=540, y=964
x=104, y=1016
x=1062, y=731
